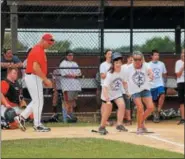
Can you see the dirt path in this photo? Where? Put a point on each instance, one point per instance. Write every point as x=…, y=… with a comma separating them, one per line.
x=168, y=136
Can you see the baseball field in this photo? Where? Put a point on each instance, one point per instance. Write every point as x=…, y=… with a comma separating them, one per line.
x=77, y=141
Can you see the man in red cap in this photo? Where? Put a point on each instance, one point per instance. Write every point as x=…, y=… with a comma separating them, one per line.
x=35, y=77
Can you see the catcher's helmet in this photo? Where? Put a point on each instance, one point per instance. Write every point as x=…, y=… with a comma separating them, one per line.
x=9, y=115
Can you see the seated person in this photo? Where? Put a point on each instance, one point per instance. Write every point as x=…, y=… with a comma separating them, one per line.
x=11, y=96
x=9, y=60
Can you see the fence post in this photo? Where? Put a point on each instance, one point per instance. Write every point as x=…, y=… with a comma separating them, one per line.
x=14, y=25
x=131, y=24
x=178, y=39
x=101, y=22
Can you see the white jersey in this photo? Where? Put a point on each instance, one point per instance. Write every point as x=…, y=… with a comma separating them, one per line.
x=179, y=64
x=114, y=83
x=137, y=79
x=104, y=68
x=123, y=71
x=68, y=84
x=158, y=69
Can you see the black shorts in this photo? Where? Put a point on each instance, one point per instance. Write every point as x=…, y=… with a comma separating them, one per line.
x=112, y=101
x=180, y=87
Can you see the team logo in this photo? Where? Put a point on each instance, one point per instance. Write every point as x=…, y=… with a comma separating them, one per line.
x=138, y=78
x=156, y=72
x=116, y=84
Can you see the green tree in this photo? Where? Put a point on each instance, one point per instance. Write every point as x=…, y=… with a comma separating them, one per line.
x=162, y=44
x=7, y=43
x=61, y=46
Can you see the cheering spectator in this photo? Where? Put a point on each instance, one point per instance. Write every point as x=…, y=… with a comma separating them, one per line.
x=9, y=60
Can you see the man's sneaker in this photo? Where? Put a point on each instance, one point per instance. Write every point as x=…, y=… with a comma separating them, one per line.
x=140, y=131
x=102, y=131
x=121, y=128
x=21, y=122
x=41, y=128
x=182, y=121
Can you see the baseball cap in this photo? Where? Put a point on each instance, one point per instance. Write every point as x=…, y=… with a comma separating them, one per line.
x=116, y=55
x=49, y=38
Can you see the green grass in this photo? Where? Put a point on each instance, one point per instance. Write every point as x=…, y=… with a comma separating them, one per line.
x=79, y=148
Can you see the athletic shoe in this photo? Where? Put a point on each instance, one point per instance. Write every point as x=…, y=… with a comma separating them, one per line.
x=102, y=131
x=182, y=121
x=140, y=131
x=156, y=117
x=21, y=121
x=121, y=128
x=41, y=128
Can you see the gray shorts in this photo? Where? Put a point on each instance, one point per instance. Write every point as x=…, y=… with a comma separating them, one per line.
x=70, y=95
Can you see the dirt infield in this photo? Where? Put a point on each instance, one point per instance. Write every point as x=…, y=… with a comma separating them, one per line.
x=168, y=135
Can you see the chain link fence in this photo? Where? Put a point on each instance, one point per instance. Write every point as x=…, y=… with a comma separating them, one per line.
x=89, y=27
x=82, y=25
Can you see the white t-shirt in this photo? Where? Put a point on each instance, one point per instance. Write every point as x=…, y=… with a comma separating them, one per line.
x=137, y=79
x=158, y=69
x=179, y=64
x=68, y=84
x=104, y=67
x=114, y=83
x=123, y=71
x=125, y=66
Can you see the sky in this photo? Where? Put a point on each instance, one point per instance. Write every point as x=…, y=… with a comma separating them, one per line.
x=90, y=38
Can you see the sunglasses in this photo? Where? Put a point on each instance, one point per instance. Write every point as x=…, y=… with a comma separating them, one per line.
x=139, y=59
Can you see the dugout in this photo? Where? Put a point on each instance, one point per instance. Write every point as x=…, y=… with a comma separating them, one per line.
x=95, y=14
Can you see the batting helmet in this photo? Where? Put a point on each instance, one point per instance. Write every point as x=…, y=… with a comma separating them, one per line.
x=9, y=115
x=116, y=55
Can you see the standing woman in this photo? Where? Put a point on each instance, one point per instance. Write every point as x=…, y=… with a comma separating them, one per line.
x=138, y=77
x=112, y=93
x=179, y=70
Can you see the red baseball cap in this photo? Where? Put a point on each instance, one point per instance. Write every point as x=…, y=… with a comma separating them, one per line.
x=49, y=38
